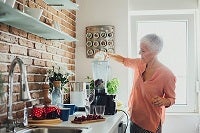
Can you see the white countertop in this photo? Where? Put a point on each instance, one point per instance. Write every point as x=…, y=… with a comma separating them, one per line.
x=107, y=126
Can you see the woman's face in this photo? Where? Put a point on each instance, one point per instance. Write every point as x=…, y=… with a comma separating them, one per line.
x=146, y=53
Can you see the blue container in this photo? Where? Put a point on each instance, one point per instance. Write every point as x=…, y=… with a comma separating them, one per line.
x=64, y=114
x=71, y=106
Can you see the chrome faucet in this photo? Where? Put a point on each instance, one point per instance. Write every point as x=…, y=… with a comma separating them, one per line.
x=24, y=89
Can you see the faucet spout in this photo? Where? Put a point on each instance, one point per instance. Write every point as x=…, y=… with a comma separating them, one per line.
x=24, y=89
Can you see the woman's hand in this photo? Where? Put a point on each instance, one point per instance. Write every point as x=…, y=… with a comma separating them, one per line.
x=116, y=57
x=160, y=101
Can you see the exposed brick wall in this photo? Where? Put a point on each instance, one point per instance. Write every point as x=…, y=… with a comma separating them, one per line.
x=38, y=54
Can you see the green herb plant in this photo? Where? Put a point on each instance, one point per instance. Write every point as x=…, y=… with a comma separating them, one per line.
x=112, y=86
x=59, y=73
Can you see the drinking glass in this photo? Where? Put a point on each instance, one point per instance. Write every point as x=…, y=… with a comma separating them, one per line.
x=90, y=95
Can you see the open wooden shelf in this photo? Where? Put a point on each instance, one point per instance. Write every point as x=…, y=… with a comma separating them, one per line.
x=23, y=21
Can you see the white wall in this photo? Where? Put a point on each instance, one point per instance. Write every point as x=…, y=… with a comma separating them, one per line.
x=162, y=4
x=103, y=12
x=115, y=12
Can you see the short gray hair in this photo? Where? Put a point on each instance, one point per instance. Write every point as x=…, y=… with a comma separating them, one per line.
x=153, y=41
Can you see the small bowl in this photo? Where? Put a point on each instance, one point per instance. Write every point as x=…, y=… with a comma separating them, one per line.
x=34, y=12
x=71, y=106
x=10, y=2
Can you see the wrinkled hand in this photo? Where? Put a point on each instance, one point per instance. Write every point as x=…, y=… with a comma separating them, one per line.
x=160, y=101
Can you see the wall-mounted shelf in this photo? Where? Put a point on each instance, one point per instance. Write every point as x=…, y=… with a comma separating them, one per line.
x=20, y=20
x=62, y=4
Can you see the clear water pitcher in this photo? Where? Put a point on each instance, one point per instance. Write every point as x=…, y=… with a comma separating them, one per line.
x=100, y=71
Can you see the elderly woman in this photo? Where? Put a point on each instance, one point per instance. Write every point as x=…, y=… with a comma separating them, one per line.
x=153, y=86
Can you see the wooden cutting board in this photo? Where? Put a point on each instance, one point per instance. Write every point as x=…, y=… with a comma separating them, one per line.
x=46, y=121
x=88, y=121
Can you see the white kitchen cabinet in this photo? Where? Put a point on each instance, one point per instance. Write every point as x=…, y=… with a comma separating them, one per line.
x=23, y=21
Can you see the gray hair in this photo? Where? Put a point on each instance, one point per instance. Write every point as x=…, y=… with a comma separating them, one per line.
x=153, y=41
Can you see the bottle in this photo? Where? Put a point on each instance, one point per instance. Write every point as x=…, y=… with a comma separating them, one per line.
x=56, y=95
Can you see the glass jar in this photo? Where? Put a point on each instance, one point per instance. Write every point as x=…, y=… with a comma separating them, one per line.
x=56, y=95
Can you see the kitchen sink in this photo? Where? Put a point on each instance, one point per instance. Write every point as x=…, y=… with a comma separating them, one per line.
x=53, y=130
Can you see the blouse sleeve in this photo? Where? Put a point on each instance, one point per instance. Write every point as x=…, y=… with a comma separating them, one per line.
x=133, y=63
x=169, y=89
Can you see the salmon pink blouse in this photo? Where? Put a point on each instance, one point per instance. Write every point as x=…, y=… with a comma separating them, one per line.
x=162, y=83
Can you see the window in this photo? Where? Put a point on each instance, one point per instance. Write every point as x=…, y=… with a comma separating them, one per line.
x=179, y=52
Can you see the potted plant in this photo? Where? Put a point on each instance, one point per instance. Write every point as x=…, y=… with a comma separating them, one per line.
x=58, y=77
x=112, y=86
x=58, y=73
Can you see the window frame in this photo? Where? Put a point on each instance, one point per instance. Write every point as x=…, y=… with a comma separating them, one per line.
x=192, y=50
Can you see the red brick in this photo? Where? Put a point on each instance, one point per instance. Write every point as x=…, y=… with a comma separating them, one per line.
x=46, y=56
x=56, y=44
x=49, y=15
x=5, y=58
x=8, y=38
x=65, y=60
x=35, y=70
x=57, y=58
x=15, y=49
x=27, y=43
x=49, y=63
x=43, y=19
x=34, y=86
x=4, y=48
x=34, y=53
x=71, y=49
x=18, y=106
x=40, y=46
x=4, y=27
x=30, y=78
x=51, y=49
x=26, y=60
x=38, y=62
x=31, y=37
x=18, y=32
x=71, y=61
x=3, y=67
x=32, y=4
x=44, y=41
x=39, y=78
x=52, y=10
x=57, y=19
x=61, y=15
x=37, y=39
x=60, y=52
x=41, y=3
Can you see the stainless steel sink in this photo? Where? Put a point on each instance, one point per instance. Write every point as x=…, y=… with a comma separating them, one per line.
x=53, y=130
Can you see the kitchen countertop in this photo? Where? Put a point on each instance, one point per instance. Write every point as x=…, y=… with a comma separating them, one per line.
x=108, y=126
